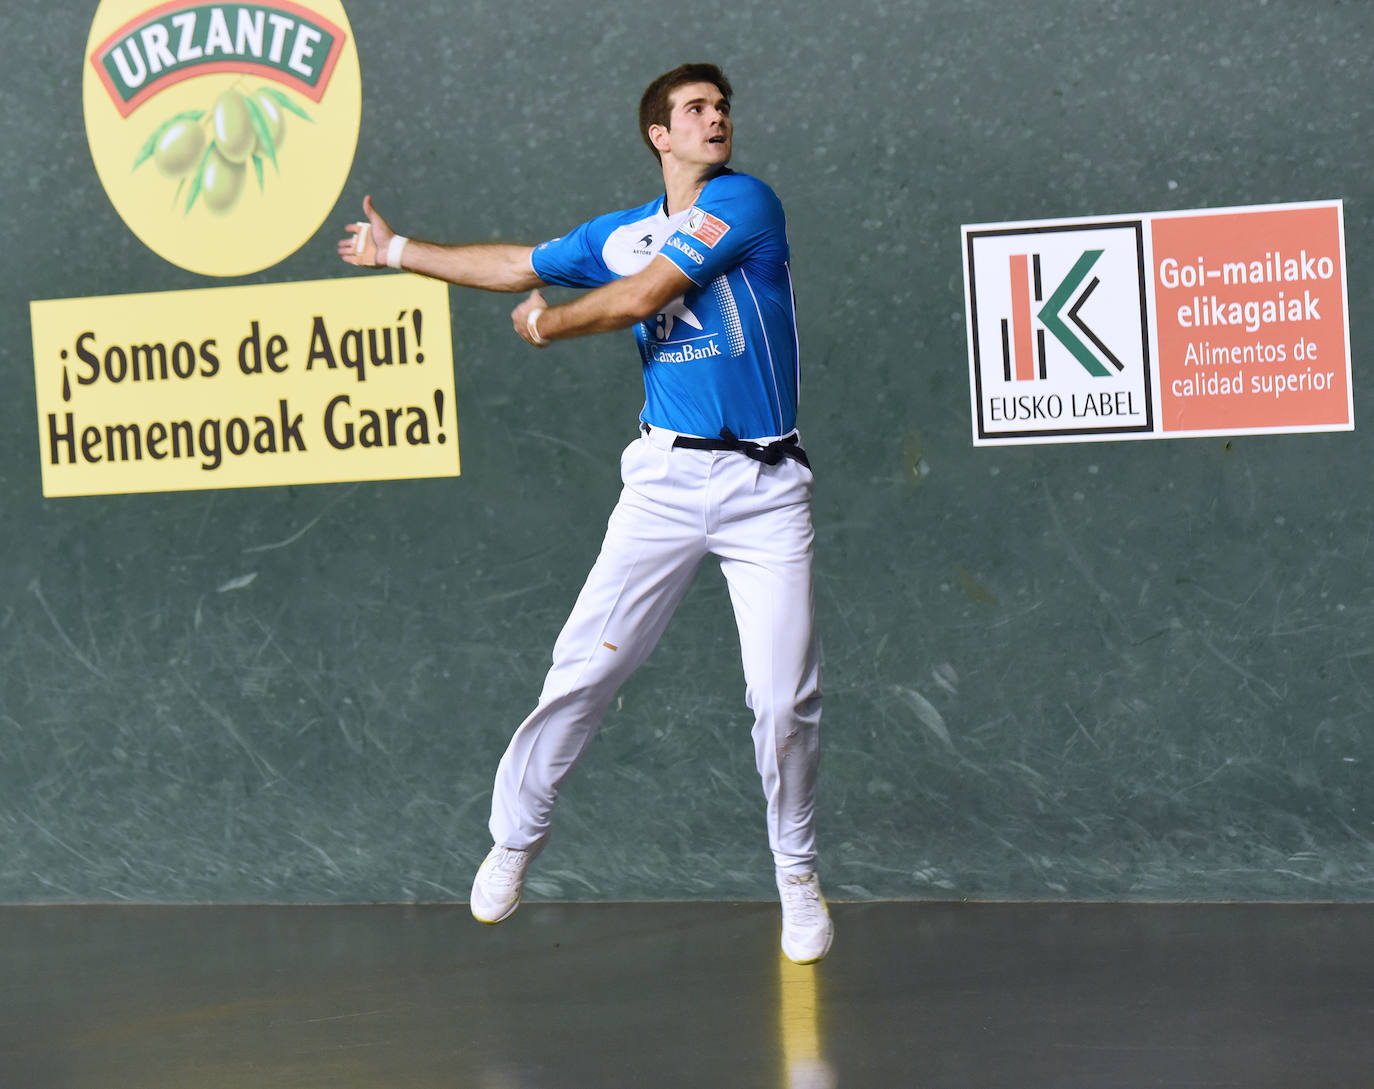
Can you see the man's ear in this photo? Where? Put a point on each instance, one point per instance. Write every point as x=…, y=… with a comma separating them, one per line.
x=658, y=136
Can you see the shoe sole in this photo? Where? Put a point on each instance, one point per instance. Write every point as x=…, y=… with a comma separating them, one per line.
x=494, y=922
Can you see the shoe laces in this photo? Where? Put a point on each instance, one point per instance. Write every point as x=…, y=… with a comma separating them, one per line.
x=507, y=866
x=801, y=899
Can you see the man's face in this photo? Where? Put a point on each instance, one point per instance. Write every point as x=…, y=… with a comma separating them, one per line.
x=700, y=129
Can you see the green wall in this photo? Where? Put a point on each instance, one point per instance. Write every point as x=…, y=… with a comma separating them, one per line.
x=1134, y=670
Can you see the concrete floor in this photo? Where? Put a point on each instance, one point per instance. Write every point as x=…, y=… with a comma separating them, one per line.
x=566, y=996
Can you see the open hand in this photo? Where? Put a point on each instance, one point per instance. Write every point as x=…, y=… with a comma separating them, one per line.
x=366, y=242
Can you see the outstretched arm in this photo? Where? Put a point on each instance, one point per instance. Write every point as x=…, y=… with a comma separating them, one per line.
x=615, y=305
x=490, y=266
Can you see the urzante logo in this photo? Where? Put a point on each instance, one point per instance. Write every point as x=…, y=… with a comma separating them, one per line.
x=165, y=45
x=222, y=132
x=1059, y=330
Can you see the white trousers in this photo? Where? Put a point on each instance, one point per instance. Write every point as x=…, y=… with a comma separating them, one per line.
x=677, y=506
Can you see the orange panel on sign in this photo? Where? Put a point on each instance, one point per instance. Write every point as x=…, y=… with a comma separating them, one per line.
x=1250, y=311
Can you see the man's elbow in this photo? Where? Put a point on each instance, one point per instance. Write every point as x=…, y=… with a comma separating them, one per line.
x=514, y=271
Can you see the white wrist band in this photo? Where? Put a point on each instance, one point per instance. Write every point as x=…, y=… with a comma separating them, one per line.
x=394, y=251
x=532, y=323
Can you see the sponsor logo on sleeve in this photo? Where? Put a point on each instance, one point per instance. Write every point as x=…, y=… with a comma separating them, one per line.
x=705, y=227
x=678, y=244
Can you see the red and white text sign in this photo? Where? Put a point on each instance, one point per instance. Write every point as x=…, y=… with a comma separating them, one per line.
x=1172, y=324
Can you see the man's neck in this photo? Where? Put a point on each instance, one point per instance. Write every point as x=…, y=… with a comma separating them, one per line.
x=682, y=184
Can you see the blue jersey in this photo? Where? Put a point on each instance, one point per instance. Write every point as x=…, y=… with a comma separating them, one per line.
x=725, y=353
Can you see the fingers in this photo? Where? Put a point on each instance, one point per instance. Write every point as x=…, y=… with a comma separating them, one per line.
x=358, y=248
x=365, y=239
x=520, y=319
x=532, y=301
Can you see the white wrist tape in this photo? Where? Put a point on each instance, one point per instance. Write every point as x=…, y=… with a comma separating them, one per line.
x=395, y=249
x=532, y=323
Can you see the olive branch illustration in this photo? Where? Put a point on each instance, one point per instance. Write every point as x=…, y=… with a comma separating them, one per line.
x=243, y=127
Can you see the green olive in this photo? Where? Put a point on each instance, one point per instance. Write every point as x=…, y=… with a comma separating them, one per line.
x=234, y=135
x=178, y=148
x=222, y=182
x=276, y=117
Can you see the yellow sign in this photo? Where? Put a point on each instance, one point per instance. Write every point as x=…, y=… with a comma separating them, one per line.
x=233, y=387
x=222, y=132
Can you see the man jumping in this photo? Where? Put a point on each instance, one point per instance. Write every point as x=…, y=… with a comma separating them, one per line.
x=701, y=273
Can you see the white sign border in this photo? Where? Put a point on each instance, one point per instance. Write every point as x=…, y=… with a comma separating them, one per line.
x=1147, y=219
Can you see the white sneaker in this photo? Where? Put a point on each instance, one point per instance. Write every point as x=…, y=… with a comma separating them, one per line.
x=806, y=927
x=496, y=888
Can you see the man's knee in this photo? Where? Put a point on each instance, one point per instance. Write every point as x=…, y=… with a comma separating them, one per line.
x=788, y=714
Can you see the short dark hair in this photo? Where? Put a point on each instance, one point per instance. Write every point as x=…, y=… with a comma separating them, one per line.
x=656, y=107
